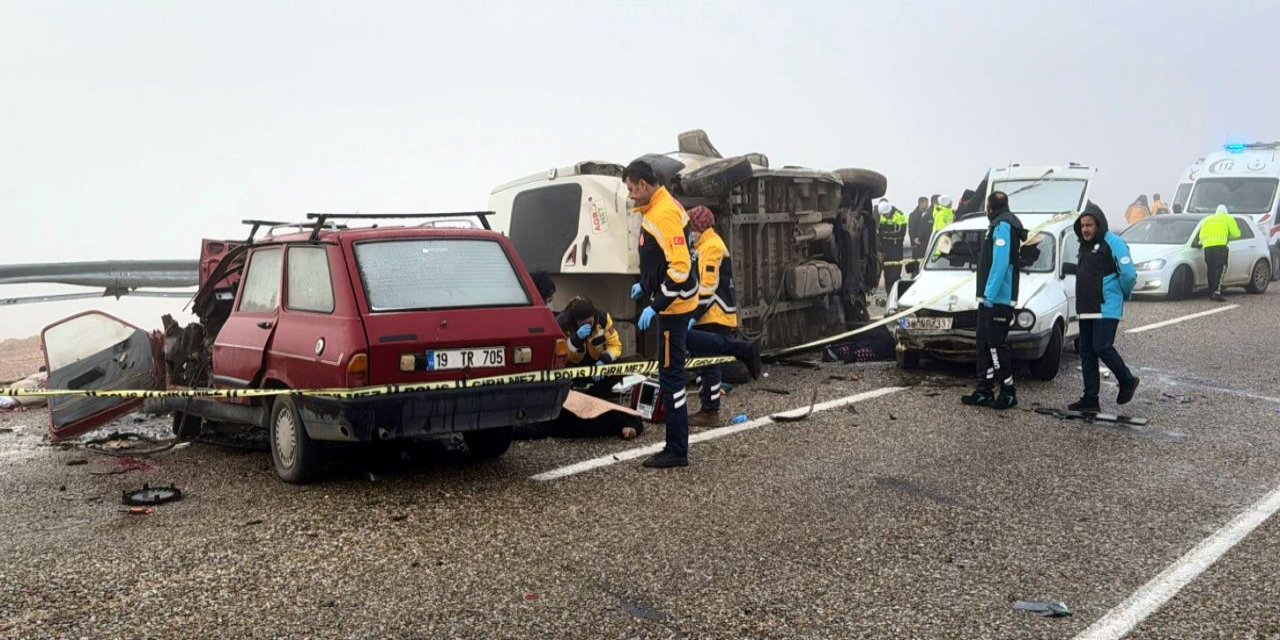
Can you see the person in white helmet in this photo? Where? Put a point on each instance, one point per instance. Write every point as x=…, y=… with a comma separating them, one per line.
x=891, y=232
x=943, y=214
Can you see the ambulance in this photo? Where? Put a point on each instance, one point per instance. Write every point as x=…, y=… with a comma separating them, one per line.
x=1245, y=178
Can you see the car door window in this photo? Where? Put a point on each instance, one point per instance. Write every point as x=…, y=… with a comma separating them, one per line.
x=309, y=284
x=1246, y=233
x=262, y=281
x=1070, y=247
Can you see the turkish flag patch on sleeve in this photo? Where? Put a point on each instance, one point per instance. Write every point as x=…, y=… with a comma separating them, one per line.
x=678, y=241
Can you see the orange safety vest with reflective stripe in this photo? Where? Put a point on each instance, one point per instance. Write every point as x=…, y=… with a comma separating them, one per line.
x=668, y=273
x=715, y=281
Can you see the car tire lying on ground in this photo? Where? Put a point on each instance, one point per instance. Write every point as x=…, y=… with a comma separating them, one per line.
x=296, y=457
x=1259, y=278
x=488, y=443
x=873, y=183
x=667, y=168
x=717, y=178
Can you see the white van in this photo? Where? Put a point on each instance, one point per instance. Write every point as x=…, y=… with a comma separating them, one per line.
x=802, y=240
x=1245, y=178
x=1047, y=199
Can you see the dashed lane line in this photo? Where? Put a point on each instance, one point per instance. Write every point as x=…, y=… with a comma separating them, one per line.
x=711, y=434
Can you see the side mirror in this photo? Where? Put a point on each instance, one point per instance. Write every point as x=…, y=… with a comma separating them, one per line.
x=1069, y=269
x=1177, y=208
x=1195, y=244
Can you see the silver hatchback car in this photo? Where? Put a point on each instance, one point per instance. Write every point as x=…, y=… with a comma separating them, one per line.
x=1166, y=250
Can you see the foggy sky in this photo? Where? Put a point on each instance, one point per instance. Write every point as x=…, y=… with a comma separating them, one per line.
x=133, y=129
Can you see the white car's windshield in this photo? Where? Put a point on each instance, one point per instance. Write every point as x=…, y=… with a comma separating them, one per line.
x=959, y=250
x=1241, y=195
x=1160, y=230
x=1046, y=196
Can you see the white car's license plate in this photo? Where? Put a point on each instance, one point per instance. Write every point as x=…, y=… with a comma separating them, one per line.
x=925, y=324
x=482, y=358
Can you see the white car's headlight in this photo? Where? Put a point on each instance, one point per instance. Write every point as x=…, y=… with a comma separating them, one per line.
x=1150, y=265
x=1025, y=319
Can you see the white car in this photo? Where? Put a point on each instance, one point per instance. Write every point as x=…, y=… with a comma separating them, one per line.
x=1047, y=200
x=946, y=328
x=1170, y=260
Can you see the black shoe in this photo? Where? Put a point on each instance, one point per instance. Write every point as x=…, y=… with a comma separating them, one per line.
x=755, y=366
x=1217, y=297
x=1085, y=405
x=1127, y=389
x=665, y=460
x=1007, y=400
x=978, y=399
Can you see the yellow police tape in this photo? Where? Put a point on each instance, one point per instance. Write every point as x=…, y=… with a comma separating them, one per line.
x=552, y=375
x=1031, y=235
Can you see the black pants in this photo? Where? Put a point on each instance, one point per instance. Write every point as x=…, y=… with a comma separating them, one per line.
x=995, y=360
x=672, y=331
x=1215, y=258
x=714, y=340
x=1097, y=342
x=891, y=274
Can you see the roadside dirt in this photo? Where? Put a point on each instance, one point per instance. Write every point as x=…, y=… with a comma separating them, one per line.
x=20, y=357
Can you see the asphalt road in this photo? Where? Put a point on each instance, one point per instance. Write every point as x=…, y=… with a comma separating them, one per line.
x=905, y=515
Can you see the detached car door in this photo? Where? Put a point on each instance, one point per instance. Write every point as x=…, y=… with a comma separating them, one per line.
x=95, y=351
x=240, y=348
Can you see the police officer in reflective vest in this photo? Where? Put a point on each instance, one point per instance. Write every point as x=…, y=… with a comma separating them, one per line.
x=712, y=328
x=892, y=232
x=943, y=214
x=997, y=293
x=668, y=289
x=1216, y=231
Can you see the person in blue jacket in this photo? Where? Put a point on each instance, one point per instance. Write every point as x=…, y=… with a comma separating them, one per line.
x=997, y=293
x=1105, y=276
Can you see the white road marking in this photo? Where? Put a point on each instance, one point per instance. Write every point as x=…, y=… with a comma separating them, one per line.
x=711, y=434
x=1190, y=316
x=1145, y=601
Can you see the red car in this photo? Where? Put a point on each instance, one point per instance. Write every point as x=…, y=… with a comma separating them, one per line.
x=325, y=306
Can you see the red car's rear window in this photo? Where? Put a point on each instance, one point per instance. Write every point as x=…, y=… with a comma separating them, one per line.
x=420, y=274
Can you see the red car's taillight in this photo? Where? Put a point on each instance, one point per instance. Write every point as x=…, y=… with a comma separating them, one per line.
x=358, y=371
x=561, y=355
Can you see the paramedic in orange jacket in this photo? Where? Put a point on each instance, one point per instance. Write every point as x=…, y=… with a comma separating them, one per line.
x=668, y=289
x=711, y=332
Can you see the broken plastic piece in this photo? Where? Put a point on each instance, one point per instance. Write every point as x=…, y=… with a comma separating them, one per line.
x=149, y=496
x=1048, y=609
x=739, y=419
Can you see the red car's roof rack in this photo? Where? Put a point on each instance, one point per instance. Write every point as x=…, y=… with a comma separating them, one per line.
x=320, y=218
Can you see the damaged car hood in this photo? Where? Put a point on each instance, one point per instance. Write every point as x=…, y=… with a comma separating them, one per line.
x=936, y=283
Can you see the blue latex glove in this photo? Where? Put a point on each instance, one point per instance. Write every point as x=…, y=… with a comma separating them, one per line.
x=584, y=331
x=692, y=321
x=646, y=318
x=636, y=291
x=598, y=377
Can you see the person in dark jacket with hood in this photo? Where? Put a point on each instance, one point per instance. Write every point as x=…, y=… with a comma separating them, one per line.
x=1105, y=276
x=920, y=228
x=997, y=293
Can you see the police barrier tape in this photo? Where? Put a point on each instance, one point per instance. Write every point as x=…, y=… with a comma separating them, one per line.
x=551, y=375
x=1031, y=235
